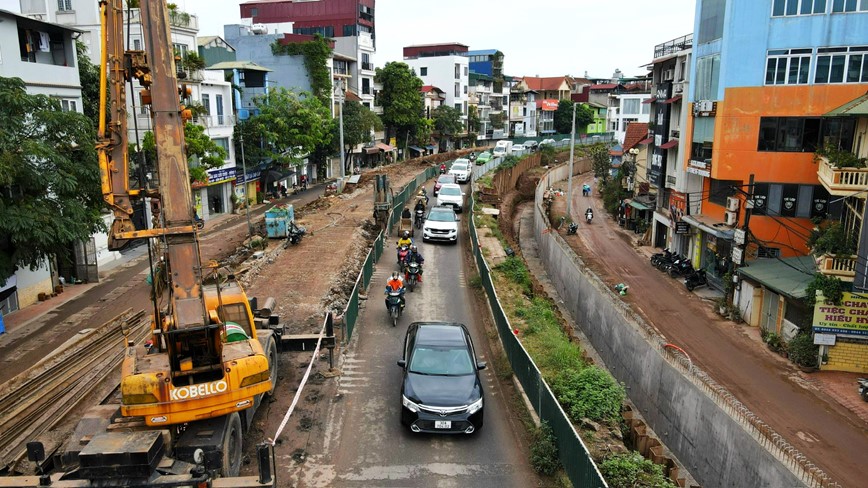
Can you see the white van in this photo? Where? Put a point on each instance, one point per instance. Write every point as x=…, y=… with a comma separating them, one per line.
x=503, y=148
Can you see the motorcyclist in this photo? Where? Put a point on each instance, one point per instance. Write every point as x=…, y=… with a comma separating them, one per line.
x=395, y=283
x=442, y=168
x=589, y=214
x=405, y=240
x=415, y=255
x=420, y=206
x=422, y=195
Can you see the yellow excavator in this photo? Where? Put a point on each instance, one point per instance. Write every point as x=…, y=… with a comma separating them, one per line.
x=188, y=394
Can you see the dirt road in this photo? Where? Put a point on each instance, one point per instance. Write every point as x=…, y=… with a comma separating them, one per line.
x=832, y=437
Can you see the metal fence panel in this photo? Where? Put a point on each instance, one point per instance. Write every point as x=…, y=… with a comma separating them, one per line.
x=351, y=314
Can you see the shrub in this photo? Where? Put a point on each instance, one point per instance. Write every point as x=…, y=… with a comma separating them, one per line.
x=831, y=287
x=802, y=351
x=543, y=450
x=589, y=393
x=631, y=470
x=774, y=342
x=514, y=269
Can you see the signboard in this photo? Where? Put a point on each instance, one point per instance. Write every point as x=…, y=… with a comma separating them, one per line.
x=682, y=228
x=548, y=105
x=220, y=175
x=739, y=236
x=704, y=108
x=849, y=318
x=824, y=339
x=737, y=255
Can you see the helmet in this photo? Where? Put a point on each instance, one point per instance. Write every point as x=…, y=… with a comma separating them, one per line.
x=394, y=275
x=406, y=234
x=413, y=248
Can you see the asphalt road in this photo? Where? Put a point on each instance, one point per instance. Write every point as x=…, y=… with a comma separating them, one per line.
x=830, y=436
x=124, y=288
x=365, y=443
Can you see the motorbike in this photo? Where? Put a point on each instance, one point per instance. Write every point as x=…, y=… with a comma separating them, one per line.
x=393, y=300
x=589, y=216
x=419, y=217
x=695, y=279
x=442, y=170
x=199, y=222
x=412, y=274
x=572, y=229
x=403, y=251
x=682, y=268
x=666, y=255
x=295, y=233
x=664, y=263
x=863, y=388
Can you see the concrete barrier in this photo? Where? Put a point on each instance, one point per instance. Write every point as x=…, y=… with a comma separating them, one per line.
x=716, y=437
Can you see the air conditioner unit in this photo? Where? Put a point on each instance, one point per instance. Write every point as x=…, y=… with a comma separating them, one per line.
x=669, y=74
x=732, y=204
x=679, y=88
x=731, y=218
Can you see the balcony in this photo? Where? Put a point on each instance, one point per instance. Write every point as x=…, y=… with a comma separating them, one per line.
x=841, y=267
x=842, y=182
x=673, y=46
x=368, y=66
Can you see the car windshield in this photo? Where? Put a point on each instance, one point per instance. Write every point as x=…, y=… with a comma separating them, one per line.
x=441, y=361
x=459, y=166
x=442, y=216
x=450, y=191
x=446, y=179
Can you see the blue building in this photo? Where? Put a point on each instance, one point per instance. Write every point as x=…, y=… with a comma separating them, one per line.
x=485, y=61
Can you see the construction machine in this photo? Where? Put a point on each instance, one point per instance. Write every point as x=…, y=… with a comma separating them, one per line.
x=188, y=394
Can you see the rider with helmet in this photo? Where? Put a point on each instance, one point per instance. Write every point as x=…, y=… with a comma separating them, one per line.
x=415, y=255
x=405, y=240
x=395, y=283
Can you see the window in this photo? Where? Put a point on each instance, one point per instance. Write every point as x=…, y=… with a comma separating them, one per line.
x=366, y=86
x=218, y=99
x=466, y=71
x=804, y=134
x=458, y=107
x=631, y=106
x=465, y=89
x=64, y=5
x=707, y=77
x=67, y=105
x=711, y=20
x=790, y=200
x=798, y=7
x=206, y=103
x=224, y=143
x=458, y=89
x=646, y=108
x=703, y=137
x=349, y=30
x=457, y=71
x=137, y=44
x=788, y=67
x=423, y=71
x=849, y=6
x=842, y=65
x=720, y=189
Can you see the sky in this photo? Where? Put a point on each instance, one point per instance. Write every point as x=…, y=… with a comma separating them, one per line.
x=541, y=37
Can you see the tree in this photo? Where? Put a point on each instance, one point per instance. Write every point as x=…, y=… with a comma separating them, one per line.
x=601, y=161
x=49, y=178
x=89, y=75
x=473, y=121
x=400, y=99
x=359, y=123
x=563, y=117
x=447, y=121
x=423, y=131
x=202, y=152
x=288, y=127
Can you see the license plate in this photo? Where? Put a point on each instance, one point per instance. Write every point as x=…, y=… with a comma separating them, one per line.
x=442, y=424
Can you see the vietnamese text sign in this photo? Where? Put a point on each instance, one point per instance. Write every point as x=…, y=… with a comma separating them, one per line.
x=549, y=105
x=849, y=318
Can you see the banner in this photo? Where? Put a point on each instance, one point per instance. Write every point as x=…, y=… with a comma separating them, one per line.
x=849, y=318
x=549, y=105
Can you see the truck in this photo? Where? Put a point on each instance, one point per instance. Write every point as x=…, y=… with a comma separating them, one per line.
x=502, y=149
x=186, y=395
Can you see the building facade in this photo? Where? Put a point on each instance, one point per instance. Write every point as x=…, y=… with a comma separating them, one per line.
x=446, y=67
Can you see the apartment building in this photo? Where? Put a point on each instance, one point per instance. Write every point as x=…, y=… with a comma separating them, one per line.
x=444, y=66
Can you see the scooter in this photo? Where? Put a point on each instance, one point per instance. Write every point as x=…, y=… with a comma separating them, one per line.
x=393, y=300
x=695, y=279
x=589, y=216
x=403, y=251
x=666, y=255
x=412, y=274
x=295, y=233
x=572, y=229
x=682, y=268
x=199, y=221
x=419, y=217
x=863, y=388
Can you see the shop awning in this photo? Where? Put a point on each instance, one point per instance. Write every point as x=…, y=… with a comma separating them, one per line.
x=372, y=150
x=416, y=148
x=709, y=227
x=638, y=205
x=786, y=276
x=669, y=145
x=673, y=99
x=856, y=107
x=647, y=140
x=385, y=147
x=650, y=100
x=430, y=147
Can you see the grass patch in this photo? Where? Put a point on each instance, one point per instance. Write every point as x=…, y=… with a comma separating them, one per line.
x=544, y=450
x=513, y=269
x=486, y=181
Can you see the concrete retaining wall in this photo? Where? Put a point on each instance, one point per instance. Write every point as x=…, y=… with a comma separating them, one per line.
x=709, y=433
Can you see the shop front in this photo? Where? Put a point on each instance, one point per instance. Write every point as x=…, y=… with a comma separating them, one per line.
x=841, y=331
x=215, y=196
x=712, y=248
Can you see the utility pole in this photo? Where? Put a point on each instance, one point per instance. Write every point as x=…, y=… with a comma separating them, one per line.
x=340, y=92
x=570, y=180
x=244, y=178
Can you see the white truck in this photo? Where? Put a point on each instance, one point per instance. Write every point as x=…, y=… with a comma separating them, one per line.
x=503, y=149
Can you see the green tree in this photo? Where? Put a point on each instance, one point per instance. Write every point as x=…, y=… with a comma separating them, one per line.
x=49, y=178
x=359, y=123
x=89, y=75
x=601, y=161
x=447, y=122
x=563, y=117
x=202, y=152
x=400, y=99
x=473, y=121
x=288, y=127
x=423, y=131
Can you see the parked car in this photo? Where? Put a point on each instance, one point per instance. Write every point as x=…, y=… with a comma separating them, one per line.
x=441, y=391
x=531, y=145
x=461, y=169
x=451, y=194
x=483, y=157
x=441, y=180
x=503, y=148
x=519, y=150
x=440, y=225
x=547, y=142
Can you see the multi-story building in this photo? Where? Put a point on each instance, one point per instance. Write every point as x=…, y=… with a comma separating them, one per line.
x=350, y=23
x=487, y=85
x=444, y=66
x=548, y=92
x=43, y=55
x=765, y=75
x=629, y=106
x=666, y=172
x=522, y=110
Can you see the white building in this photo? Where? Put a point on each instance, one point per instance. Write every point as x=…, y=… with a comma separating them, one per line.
x=361, y=73
x=631, y=107
x=215, y=94
x=443, y=66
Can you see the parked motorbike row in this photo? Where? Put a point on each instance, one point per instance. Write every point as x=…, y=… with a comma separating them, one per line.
x=679, y=266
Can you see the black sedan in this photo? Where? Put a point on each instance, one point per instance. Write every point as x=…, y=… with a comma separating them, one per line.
x=441, y=391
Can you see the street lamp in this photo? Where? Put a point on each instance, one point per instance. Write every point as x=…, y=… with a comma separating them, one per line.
x=631, y=169
x=244, y=179
x=339, y=94
x=570, y=181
